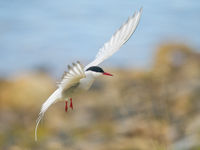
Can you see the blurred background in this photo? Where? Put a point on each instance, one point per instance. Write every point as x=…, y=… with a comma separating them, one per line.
x=153, y=100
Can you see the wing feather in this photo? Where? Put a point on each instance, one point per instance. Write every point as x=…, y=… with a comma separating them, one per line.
x=74, y=75
x=120, y=37
x=69, y=79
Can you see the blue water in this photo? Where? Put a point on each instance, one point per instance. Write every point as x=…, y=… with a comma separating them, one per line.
x=53, y=33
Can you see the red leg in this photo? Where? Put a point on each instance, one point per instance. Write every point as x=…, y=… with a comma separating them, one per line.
x=71, y=104
x=66, y=106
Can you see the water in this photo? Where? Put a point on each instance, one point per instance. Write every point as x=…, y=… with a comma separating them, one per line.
x=55, y=33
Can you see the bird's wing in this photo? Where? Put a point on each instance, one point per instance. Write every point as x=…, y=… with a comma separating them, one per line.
x=70, y=78
x=117, y=40
x=73, y=76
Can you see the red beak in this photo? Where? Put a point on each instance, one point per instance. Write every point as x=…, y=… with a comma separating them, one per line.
x=108, y=74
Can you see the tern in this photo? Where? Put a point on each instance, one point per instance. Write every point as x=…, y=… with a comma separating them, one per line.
x=79, y=78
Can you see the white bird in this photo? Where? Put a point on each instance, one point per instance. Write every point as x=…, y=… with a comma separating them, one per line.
x=79, y=78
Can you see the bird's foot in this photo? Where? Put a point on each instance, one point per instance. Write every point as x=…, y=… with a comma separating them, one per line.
x=71, y=104
x=66, y=106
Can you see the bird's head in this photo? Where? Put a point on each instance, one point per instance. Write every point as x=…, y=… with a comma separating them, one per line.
x=97, y=71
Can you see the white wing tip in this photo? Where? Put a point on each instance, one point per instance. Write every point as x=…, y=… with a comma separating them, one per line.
x=52, y=99
x=141, y=9
x=118, y=39
x=138, y=13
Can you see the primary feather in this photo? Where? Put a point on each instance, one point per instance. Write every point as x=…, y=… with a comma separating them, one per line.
x=73, y=76
x=117, y=40
x=52, y=99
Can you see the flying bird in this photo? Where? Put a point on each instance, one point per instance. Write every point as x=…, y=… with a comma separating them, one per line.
x=79, y=78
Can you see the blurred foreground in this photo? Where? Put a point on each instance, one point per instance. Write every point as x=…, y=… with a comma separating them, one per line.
x=157, y=109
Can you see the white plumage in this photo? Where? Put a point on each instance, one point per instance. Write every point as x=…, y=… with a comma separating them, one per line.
x=78, y=78
x=74, y=74
x=52, y=99
x=117, y=40
x=69, y=79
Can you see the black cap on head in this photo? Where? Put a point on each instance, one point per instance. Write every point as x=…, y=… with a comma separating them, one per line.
x=95, y=69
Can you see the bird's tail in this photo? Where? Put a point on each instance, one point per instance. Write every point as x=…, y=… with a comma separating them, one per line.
x=52, y=99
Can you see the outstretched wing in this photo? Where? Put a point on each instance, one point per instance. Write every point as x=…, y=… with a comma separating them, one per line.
x=70, y=78
x=117, y=40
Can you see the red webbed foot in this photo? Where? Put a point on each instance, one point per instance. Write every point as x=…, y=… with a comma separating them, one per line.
x=71, y=104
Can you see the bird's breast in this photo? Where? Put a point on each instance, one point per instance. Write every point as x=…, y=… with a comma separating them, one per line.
x=86, y=83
